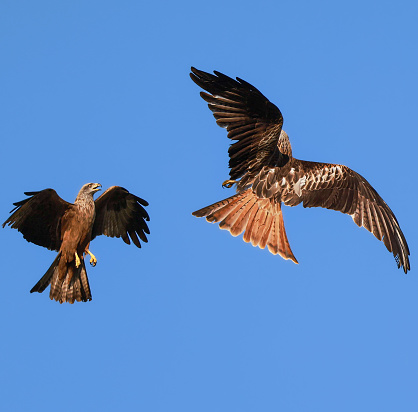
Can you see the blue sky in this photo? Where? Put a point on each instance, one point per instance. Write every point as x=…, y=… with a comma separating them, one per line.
x=198, y=320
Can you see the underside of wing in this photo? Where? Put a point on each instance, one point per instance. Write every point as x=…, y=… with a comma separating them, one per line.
x=38, y=218
x=339, y=188
x=249, y=117
x=121, y=214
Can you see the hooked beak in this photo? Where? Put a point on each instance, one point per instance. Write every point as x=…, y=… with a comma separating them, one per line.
x=97, y=187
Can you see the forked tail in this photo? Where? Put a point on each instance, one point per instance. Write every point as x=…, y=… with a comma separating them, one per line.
x=261, y=219
x=72, y=285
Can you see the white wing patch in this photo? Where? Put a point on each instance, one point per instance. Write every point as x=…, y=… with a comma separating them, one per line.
x=299, y=185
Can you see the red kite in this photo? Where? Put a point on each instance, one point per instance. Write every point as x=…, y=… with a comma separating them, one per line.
x=49, y=221
x=266, y=175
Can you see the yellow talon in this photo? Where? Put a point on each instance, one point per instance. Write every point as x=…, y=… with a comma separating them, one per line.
x=229, y=183
x=93, y=259
x=77, y=260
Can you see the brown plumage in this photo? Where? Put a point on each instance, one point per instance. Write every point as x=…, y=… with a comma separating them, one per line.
x=267, y=175
x=47, y=220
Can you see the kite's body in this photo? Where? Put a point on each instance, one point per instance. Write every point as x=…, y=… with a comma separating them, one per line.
x=47, y=220
x=266, y=175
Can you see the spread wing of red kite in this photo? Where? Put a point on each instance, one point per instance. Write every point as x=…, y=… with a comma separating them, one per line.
x=46, y=220
x=266, y=175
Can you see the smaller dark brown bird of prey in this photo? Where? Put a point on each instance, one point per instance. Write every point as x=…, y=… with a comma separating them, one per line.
x=47, y=220
x=267, y=175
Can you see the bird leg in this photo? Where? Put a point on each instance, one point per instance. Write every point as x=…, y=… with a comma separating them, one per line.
x=77, y=260
x=229, y=183
x=93, y=259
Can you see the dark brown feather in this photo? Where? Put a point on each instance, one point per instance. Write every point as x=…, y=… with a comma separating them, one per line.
x=38, y=218
x=247, y=115
x=121, y=214
x=73, y=287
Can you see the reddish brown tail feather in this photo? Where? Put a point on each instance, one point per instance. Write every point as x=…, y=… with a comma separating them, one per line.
x=261, y=219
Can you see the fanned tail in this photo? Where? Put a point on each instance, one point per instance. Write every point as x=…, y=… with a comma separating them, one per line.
x=72, y=285
x=261, y=219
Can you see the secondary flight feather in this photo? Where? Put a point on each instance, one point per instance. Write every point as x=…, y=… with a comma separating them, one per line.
x=266, y=175
x=49, y=221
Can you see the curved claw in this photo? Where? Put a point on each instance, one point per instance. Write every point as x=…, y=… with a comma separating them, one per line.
x=228, y=183
x=93, y=259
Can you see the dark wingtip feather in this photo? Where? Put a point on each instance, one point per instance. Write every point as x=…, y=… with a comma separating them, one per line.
x=125, y=238
x=141, y=234
x=134, y=238
x=146, y=229
x=143, y=202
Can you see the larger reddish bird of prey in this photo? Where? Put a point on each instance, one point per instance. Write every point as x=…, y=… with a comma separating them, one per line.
x=267, y=175
x=47, y=220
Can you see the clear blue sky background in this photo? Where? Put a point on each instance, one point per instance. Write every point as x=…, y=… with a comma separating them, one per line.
x=198, y=320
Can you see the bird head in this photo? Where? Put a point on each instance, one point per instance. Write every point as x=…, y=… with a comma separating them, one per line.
x=91, y=188
x=87, y=191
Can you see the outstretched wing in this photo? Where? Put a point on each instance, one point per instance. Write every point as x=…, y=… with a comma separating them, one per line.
x=339, y=188
x=119, y=214
x=248, y=116
x=38, y=218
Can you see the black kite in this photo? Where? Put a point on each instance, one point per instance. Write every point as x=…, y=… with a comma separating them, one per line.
x=266, y=174
x=47, y=220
